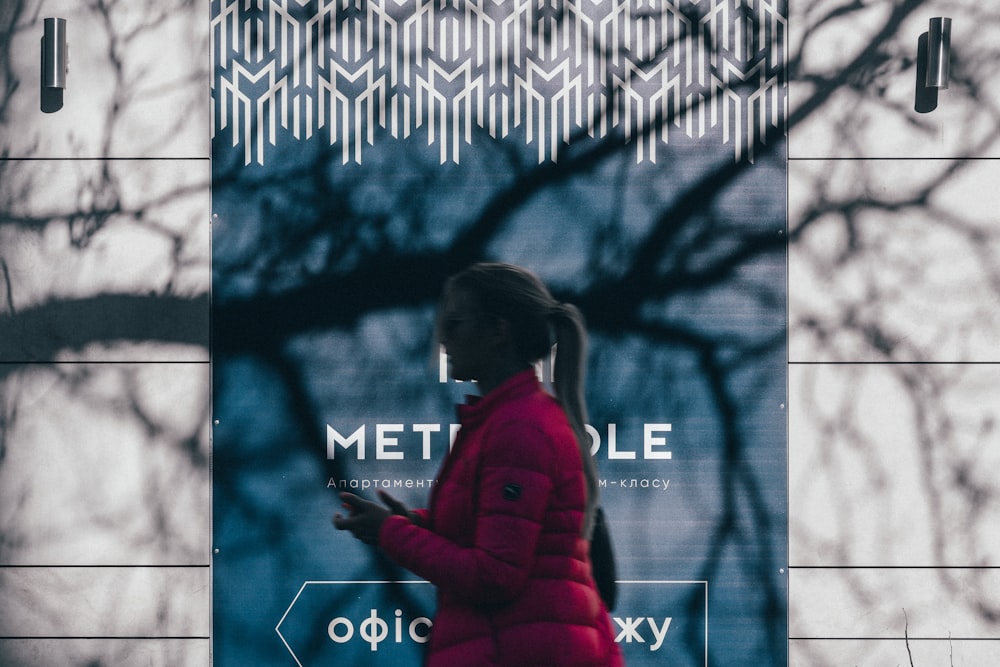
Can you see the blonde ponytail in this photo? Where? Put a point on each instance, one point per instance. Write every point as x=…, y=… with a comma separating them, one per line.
x=569, y=378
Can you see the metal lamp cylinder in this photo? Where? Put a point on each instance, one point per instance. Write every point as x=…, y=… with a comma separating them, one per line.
x=54, y=53
x=938, y=52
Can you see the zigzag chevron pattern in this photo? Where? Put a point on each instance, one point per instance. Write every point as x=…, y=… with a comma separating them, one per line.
x=545, y=72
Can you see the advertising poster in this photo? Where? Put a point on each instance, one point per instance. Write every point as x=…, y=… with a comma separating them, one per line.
x=632, y=155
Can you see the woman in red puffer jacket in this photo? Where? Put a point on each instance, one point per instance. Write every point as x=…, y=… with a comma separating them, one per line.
x=504, y=539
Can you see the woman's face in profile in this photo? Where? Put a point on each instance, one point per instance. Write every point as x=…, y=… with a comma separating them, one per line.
x=464, y=335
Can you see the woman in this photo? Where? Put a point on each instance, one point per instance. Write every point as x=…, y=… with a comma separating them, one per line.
x=504, y=539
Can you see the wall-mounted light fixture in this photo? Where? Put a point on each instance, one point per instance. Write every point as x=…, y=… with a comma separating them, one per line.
x=938, y=52
x=54, y=54
x=55, y=61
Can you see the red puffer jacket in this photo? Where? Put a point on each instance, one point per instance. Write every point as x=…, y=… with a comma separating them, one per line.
x=501, y=541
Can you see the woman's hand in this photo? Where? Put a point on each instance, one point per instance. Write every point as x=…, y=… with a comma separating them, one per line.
x=394, y=505
x=365, y=518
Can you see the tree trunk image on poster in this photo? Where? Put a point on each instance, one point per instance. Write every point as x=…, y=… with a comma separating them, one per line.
x=630, y=154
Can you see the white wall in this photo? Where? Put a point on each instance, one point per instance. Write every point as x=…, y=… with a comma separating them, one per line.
x=894, y=312
x=104, y=241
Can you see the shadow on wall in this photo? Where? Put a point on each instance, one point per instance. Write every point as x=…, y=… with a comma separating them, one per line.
x=925, y=97
x=893, y=283
x=636, y=281
x=104, y=389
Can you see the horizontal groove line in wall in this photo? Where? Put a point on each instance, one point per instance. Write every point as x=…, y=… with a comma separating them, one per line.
x=95, y=159
x=893, y=363
x=69, y=362
x=894, y=639
x=888, y=159
x=894, y=567
x=103, y=638
x=121, y=566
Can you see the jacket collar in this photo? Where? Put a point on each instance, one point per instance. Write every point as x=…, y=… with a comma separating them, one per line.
x=477, y=408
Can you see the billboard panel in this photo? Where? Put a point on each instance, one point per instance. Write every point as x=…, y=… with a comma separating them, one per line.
x=632, y=155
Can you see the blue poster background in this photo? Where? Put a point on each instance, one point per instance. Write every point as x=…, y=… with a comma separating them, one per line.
x=327, y=267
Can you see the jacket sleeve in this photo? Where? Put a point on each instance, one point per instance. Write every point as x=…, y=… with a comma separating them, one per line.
x=512, y=492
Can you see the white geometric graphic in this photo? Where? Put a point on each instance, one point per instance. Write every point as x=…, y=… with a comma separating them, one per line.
x=545, y=72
